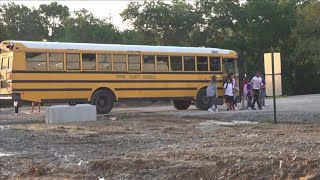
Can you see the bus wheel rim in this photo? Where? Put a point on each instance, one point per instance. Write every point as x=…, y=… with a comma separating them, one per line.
x=102, y=101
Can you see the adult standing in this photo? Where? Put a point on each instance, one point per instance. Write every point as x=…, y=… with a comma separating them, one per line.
x=256, y=83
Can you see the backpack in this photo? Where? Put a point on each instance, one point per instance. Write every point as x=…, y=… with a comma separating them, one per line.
x=245, y=89
x=225, y=81
x=209, y=90
x=224, y=91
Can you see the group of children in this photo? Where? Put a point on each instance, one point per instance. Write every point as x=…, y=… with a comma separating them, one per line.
x=254, y=89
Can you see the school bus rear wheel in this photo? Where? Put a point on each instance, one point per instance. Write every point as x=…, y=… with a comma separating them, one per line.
x=201, y=101
x=181, y=104
x=103, y=100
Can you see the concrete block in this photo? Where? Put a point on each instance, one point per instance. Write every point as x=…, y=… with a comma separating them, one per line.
x=65, y=114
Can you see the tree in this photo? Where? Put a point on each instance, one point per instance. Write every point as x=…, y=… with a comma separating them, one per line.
x=86, y=28
x=306, y=57
x=21, y=23
x=162, y=23
x=269, y=25
x=132, y=37
x=54, y=13
x=252, y=28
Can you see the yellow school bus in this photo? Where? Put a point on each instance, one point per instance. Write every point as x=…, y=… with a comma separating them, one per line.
x=101, y=74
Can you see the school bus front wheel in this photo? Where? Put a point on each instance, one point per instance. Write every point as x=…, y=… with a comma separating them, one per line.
x=103, y=100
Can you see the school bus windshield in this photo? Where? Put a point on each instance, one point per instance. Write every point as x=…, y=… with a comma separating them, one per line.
x=228, y=65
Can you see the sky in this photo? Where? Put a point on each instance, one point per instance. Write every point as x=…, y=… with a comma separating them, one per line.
x=101, y=9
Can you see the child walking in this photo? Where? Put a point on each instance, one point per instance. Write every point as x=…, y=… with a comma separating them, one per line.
x=249, y=94
x=212, y=94
x=244, y=97
x=228, y=94
x=16, y=107
x=263, y=93
x=33, y=104
x=256, y=86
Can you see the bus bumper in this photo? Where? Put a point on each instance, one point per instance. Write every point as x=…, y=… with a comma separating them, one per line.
x=13, y=96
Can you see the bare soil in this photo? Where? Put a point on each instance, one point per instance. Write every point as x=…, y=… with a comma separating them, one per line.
x=161, y=143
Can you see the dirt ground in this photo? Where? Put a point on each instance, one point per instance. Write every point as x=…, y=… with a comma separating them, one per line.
x=158, y=142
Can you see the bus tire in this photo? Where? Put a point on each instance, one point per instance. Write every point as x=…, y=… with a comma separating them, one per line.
x=181, y=104
x=72, y=103
x=103, y=100
x=201, y=101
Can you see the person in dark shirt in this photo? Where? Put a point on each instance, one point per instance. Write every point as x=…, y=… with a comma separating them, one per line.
x=263, y=93
x=249, y=95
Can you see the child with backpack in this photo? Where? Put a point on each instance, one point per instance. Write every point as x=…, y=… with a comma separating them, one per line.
x=235, y=89
x=212, y=94
x=228, y=94
x=248, y=90
x=263, y=93
x=244, y=97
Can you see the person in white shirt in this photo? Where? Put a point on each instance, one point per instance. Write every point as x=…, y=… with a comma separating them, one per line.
x=16, y=107
x=256, y=86
x=228, y=93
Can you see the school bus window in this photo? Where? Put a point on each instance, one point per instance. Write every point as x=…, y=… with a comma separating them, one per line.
x=163, y=63
x=3, y=66
x=134, y=62
x=36, y=61
x=148, y=63
x=228, y=65
x=119, y=62
x=189, y=63
x=202, y=63
x=73, y=61
x=56, y=61
x=215, y=64
x=104, y=61
x=89, y=61
x=176, y=63
x=10, y=63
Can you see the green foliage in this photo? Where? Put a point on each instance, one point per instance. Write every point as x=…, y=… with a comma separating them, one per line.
x=20, y=22
x=132, y=37
x=54, y=14
x=306, y=57
x=162, y=23
x=86, y=28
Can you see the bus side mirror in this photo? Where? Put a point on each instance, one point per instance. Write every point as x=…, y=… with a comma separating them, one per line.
x=10, y=46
